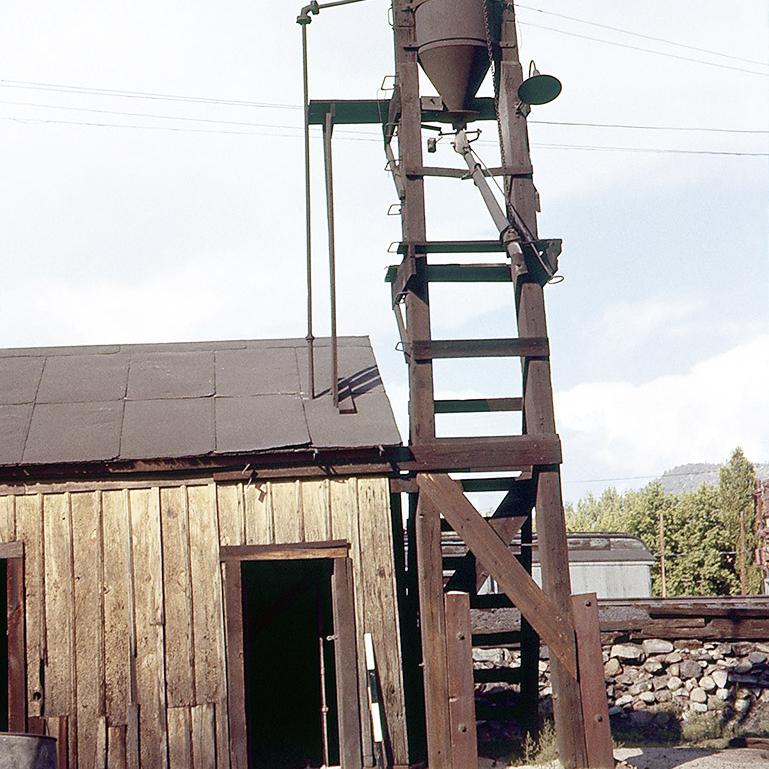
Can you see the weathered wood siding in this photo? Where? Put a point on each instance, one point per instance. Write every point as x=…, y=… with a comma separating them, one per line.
x=124, y=606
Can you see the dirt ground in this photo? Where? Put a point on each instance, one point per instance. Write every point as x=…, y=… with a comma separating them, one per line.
x=675, y=758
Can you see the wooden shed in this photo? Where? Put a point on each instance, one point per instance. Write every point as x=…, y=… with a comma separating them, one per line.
x=193, y=549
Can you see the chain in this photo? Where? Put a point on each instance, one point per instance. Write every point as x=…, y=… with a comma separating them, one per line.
x=493, y=68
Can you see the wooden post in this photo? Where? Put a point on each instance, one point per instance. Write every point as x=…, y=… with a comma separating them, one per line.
x=236, y=686
x=539, y=416
x=17, y=658
x=459, y=648
x=433, y=628
x=595, y=708
x=347, y=695
x=529, y=647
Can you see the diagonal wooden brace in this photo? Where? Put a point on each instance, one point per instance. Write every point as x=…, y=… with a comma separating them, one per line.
x=553, y=625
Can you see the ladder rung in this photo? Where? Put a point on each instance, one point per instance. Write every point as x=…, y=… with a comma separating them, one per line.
x=483, y=454
x=477, y=405
x=453, y=247
x=497, y=675
x=523, y=347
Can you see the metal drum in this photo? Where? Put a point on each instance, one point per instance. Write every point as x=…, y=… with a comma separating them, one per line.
x=452, y=47
x=27, y=751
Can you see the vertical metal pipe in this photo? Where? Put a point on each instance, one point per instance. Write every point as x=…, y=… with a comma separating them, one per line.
x=328, y=128
x=307, y=210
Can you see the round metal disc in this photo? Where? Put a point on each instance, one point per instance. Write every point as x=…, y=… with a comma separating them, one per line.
x=539, y=89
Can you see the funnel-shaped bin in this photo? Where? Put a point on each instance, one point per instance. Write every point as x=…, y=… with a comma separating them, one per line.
x=452, y=47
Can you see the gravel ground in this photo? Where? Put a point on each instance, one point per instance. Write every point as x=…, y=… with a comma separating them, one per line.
x=675, y=758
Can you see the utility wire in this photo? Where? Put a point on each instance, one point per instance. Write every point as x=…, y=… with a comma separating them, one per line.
x=645, y=37
x=361, y=138
x=645, y=477
x=83, y=90
x=643, y=50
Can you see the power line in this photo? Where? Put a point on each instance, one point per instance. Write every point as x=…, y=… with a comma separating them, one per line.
x=362, y=138
x=644, y=50
x=650, y=127
x=84, y=90
x=646, y=477
x=645, y=37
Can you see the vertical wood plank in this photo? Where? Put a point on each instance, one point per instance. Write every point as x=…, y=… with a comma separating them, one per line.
x=179, y=738
x=459, y=652
x=232, y=522
x=433, y=629
x=29, y=529
x=89, y=624
x=117, y=612
x=287, y=511
x=381, y=613
x=17, y=668
x=204, y=736
x=258, y=508
x=116, y=749
x=7, y=518
x=595, y=708
x=100, y=745
x=316, y=509
x=344, y=525
x=177, y=595
x=236, y=690
x=148, y=612
x=59, y=589
x=348, y=695
x=58, y=728
x=208, y=614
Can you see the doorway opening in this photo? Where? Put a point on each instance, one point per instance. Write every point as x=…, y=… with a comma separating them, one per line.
x=290, y=674
x=3, y=646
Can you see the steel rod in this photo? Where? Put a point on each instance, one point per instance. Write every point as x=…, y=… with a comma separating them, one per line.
x=328, y=127
x=307, y=212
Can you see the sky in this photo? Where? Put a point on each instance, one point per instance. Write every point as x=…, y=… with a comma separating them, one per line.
x=128, y=218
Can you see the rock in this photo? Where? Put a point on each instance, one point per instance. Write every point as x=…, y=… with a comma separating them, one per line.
x=720, y=677
x=660, y=682
x=698, y=695
x=699, y=707
x=757, y=657
x=722, y=694
x=742, y=649
x=612, y=668
x=675, y=683
x=690, y=683
x=657, y=646
x=616, y=711
x=641, y=686
x=725, y=649
x=674, y=670
x=652, y=666
x=743, y=666
x=762, y=648
x=647, y=697
x=742, y=706
x=543, y=666
x=708, y=684
x=690, y=669
x=663, y=695
x=629, y=652
x=488, y=655
x=625, y=699
x=674, y=658
x=715, y=703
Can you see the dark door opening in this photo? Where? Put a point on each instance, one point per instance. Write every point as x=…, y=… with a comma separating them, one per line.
x=290, y=676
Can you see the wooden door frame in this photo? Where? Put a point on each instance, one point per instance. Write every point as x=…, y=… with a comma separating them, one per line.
x=345, y=646
x=13, y=554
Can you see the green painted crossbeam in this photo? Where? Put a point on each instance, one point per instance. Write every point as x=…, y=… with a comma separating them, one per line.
x=454, y=247
x=477, y=405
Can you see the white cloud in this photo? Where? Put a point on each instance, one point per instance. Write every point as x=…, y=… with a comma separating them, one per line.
x=617, y=429
x=630, y=322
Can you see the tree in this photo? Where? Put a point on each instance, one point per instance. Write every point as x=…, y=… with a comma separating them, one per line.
x=736, y=486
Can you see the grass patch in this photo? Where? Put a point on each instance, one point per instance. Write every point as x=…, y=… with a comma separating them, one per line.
x=540, y=750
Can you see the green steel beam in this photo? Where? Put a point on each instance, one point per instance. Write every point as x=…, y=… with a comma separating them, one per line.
x=461, y=273
x=370, y=111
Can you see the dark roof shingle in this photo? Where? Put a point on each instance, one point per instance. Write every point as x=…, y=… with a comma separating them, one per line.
x=107, y=403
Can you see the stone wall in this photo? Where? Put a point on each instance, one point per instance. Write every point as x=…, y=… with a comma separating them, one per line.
x=661, y=683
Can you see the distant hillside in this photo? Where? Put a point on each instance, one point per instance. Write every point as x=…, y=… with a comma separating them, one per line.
x=684, y=478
